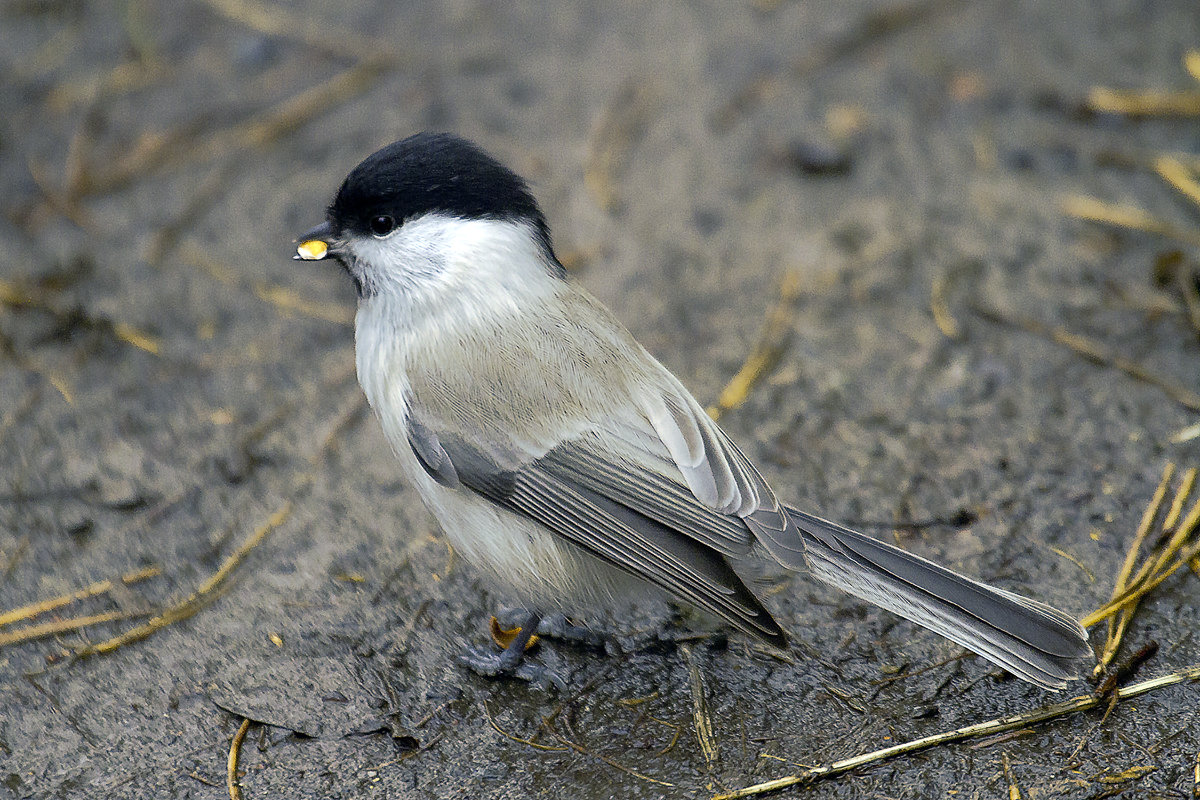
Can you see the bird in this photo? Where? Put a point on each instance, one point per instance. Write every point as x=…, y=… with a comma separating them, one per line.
x=566, y=462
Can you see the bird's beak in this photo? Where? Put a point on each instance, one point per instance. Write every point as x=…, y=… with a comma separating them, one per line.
x=314, y=244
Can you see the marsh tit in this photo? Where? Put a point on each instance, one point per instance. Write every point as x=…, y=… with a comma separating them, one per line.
x=561, y=456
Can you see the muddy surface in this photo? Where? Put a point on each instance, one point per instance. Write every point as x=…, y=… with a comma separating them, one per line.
x=170, y=380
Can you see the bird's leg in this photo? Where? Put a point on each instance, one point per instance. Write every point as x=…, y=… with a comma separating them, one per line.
x=557, y=626
x=554, y=626
x=511, y=661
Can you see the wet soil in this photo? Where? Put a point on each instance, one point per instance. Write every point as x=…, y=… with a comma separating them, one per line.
x=170, y=379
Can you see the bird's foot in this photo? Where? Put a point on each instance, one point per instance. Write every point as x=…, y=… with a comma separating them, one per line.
x=555, y=626
x=511, y=661
x=495, y=665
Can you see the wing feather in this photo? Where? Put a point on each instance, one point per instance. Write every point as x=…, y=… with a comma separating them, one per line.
x=570, y=495
x=647, y=482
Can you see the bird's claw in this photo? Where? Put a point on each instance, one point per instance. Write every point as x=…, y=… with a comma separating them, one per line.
x=493, y=665
x=556, y=626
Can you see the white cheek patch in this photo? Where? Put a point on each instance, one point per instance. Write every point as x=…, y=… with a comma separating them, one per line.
x=435, y=254
x=412, y=252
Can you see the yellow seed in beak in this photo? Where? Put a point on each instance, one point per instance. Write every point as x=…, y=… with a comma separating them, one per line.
x=312, y=250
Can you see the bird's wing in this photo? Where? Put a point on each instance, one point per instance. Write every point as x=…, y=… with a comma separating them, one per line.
x=581, y=494
x=647, y=481
x=712, y=467
x=1035, y=641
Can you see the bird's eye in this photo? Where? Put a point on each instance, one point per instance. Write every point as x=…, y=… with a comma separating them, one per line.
x=382, y=225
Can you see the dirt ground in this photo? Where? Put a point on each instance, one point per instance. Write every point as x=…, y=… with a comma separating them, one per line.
x=889, y=176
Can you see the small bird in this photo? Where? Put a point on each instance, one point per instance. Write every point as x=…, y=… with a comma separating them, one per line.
x=562, y=457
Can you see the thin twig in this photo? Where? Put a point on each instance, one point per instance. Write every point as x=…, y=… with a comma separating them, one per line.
x=315, y=34
x=207, y=592
x=93, y=90
x=989, y=728
x=1125, y=216
x=188, y=144
x=1013, y=792
x=283, y=299
x=60, y=384
x=940, y=307
x=701, y=717
x=1074, y=560
x=200, y=598
x=487, y=712
x=1175, y=172
x=1143, y=530
x=581, y=692
x=921, y=671
x=1117, y=628
x=289, y=300
x=31, y=632
x=231, y=765
x=637, y=701
x=1083, y=740
x=772, y=341
x=622, y=123
x=1144, y=102
x=19, y=297
x=678, y=729
x=1172, y=556
x=1186, y=435
x=1097, y=352
x=91, y=590
x=866, y=31
x=615, y=764
x=1179, y=536
x=1181, y=498
x=202, y=779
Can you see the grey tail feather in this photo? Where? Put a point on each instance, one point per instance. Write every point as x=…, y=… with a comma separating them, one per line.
x=1030, y=639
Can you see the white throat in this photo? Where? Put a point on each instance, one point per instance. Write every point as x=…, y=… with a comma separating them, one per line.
x=437, y=276
x=435, y=263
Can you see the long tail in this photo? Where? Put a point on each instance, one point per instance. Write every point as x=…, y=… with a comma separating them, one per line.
x=1030, y=639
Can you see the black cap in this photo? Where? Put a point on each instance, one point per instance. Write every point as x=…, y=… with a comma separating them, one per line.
x=434, y=172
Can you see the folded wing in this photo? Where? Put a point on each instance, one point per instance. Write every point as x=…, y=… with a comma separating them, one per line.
x=659, y=491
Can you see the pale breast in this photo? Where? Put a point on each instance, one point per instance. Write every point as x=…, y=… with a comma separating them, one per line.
x=515, y=391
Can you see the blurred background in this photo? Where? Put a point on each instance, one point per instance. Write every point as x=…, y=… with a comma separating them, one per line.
x=933, y=263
